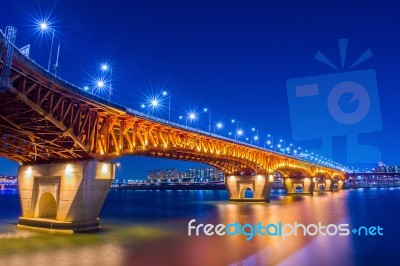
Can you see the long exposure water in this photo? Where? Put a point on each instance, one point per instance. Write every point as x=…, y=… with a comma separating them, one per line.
x=151, y=228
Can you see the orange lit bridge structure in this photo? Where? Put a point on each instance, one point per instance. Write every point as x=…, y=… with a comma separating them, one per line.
x=65, y=140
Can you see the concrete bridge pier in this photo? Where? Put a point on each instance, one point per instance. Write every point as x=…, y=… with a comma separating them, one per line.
x=298, y=185
x=322, y=185
x=260, y=185
x=63, y=196
x=337, y=184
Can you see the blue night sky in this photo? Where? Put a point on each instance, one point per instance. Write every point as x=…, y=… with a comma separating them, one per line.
x=233, y=57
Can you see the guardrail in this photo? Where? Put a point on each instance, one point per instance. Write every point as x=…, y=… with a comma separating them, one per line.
x=36, y=67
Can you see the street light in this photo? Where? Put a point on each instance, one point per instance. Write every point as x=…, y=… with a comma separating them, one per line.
x=191, y=117
x=165, y=93
x=105, y=68
x=270, y=140
x=239, y=133
x=280, y=145
x=219, y=126
x=256, y=136
x=100, y=84
x=45, y=27
x=209, y=118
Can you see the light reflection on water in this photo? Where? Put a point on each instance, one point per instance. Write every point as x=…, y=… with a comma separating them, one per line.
x=150, y=228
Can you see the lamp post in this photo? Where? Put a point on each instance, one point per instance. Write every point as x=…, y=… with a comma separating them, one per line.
x=153, y=104
x=191, y=117
x=105, y=68
x=44, y=27
x=280, y=145
x=256, y=136
x=219, y=126
x=165, y=93
x=270, y=140
x=206, y=110
x=238, y=134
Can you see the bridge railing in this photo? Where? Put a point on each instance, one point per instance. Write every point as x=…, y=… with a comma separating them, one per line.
x=63, y=83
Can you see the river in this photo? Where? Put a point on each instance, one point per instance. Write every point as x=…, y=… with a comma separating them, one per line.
x=151, y=228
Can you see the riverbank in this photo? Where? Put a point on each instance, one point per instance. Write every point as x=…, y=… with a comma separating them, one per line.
x=174, y=186
x=178, y=186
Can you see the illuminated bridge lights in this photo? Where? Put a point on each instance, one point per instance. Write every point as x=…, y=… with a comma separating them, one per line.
x=83, y=126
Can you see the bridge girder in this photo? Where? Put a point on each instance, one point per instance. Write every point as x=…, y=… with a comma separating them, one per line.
x=44, y=120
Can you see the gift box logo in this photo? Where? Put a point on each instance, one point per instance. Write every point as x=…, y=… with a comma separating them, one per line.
x=343, y=103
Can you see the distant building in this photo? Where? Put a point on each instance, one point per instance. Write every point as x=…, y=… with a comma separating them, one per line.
x=383, y=168
x=191, y=175
x=8, y=182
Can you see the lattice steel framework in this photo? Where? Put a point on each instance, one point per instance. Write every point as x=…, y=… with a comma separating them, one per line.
x=45, y=120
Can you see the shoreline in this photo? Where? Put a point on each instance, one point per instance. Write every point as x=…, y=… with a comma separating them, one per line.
x=201, y=186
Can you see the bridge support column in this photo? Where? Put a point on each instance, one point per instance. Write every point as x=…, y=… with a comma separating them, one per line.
x=304, y=185
x=260, y=185
x=337, y=185
x=63, y=196
x=322, y=185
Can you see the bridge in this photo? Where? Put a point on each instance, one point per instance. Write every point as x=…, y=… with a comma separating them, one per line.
x=65, y=140
x=373, y=179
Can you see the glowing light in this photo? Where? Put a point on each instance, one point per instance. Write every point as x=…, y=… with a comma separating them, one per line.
x=220, y=125
x=259, y=177
x=68, y=170
x=43, y=25
x=86, y=88
x=256, y=138
x=205, y=109
x=104, y=67
x=29, y=172
x=271, y=178
x=239, y=132
x=164, y=93
x=192, y=116
x=154, y=103
x=143, y=105
x=104, y=169
x=100, y=84
x=232, y=178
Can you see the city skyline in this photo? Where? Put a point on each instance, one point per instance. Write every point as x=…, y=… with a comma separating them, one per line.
x=194, y=60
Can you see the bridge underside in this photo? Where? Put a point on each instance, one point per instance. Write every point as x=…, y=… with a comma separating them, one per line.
x=51, y=127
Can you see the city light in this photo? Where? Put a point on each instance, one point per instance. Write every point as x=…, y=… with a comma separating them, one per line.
x=154, y=103
x=100, y=84
x=192, y=116
x=104, y=67
x=43, y=25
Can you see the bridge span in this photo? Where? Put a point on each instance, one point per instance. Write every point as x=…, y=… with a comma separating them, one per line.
x=66, y=138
